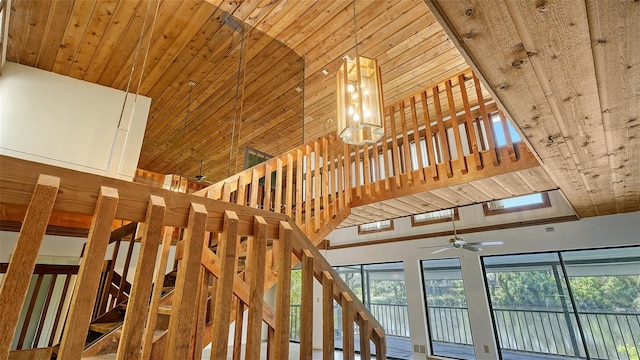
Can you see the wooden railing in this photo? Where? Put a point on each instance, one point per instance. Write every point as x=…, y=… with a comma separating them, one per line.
x=448, y=134
x=204, y=278
x=45, y=304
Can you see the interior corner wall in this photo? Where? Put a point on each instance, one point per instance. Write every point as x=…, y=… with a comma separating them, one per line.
x=588, y=233
x=66, y=122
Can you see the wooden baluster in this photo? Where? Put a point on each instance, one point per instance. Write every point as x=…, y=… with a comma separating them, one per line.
x=357, y=172
x=347, y=174
x=395, y=150
x=299, y=162
x=366, y=171
x=56, y=321
x=283, y=293
x=507, y=136
x=416, y=140
x=462, y=160
x=237, y=336
x=444, y=141
x=327, y=317
x=277, y=203
x=308, y=192
x=266, y=205
x=270, y=342
x=365, y=338
x=332, y=177
x=152, y=316
x=317, y=188
x=201, y=315
x=224, y=289
x=226, y=192
x=241, y=191
x=134, y=320
x=376, y=168
x=255, y=186
x=428, y=137
x=405, y=145
x=491, y=137
x=306, y=306
x=326, y=174
x=86, y=286
x=107, y=284
x=341, y=185
x=471, y=133
x=255, y=273
x=32, y=304
x=125, y=270
x=183, y=312
x=348, y=332
x=289, y=203
x=380, y=341
x=45, y=310
x=385, y=159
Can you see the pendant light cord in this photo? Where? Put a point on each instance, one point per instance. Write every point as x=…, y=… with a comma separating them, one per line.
x=355, y=28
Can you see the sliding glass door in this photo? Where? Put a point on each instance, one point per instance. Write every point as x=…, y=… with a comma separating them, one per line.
x=581, y=304
x=448, y=317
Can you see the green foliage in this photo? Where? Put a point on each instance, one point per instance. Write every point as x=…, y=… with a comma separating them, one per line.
x=296, y=286
x=630, y=350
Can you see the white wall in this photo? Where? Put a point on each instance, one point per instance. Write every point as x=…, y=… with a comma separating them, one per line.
x=603, y=231
x=62, y=121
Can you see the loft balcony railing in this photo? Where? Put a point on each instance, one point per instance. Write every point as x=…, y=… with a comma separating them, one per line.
x=448, y=134
x=608, y=335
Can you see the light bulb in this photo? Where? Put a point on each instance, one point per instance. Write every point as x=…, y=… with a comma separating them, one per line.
x=350, y=88
x=366, y=113
x=354, y=95
x=351, y=111
x=356, y=117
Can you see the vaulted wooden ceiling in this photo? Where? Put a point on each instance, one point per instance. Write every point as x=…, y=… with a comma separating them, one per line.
x=568, y=73
x=194, y=40
x=573, y=91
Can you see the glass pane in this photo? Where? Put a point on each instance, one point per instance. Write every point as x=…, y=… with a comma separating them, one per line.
x=448, y=317
x=381, y=288
x=296, y=293
x=606, y=288
x=532, y=311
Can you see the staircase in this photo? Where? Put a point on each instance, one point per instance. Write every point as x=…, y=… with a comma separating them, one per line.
x=241, y=236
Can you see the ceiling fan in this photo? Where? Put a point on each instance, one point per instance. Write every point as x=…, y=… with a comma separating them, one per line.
x=200, y=178
x=457, y=242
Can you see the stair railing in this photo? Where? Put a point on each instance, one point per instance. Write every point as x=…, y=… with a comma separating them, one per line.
x=203, y=220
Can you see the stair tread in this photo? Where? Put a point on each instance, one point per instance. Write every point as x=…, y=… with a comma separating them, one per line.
x=164, y=309
x=103, y=327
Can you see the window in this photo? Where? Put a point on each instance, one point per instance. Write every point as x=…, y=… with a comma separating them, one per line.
x=253, y=157
x=448, y=317
x=434, y=217
x=518, y=203
x=581, y=304
x=501, y=139
x=383, y=225
x=382, y=290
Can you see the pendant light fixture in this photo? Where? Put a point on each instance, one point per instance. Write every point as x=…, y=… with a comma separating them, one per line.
x=359, y=97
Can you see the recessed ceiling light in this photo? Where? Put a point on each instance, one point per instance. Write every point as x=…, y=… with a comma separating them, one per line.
x=324, y=71
x=299, y=89
x=329, y=120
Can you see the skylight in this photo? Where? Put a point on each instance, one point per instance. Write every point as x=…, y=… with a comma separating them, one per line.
x=518, y=203
x=382, y=225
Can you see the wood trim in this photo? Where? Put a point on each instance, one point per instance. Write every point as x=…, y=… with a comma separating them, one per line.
x=460, y=231
x=363, y=232
x=544, y=204
x=414, y=223
x=48, y=269
x=14, y=226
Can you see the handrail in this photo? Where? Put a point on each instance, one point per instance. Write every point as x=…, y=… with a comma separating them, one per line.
x=157, y=209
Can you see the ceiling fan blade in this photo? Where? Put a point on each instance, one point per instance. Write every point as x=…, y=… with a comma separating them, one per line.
x=472, y=248
x=441, y=250
x=431, y=246
x=485, y=243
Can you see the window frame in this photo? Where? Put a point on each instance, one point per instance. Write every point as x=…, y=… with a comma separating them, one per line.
x=363, y=232
x=544, y=204
x=414, y=223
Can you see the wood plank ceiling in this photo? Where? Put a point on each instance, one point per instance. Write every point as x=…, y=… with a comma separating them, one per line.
x=97, y=41
x=568, y=73
x=574, y=92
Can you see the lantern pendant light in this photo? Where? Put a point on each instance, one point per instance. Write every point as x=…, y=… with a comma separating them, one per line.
x=359, y=98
